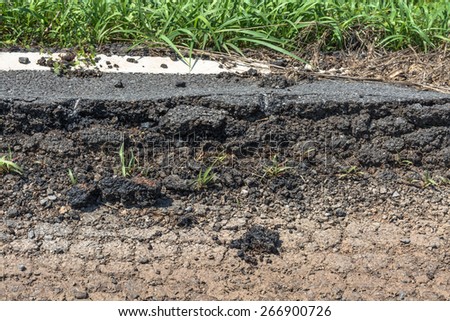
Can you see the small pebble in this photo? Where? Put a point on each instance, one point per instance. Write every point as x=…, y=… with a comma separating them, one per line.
x=132, y=60
x=279, y=62
x=180, y=84
x=118, y=84
x=143, y=260
x=341, y=213
x=12, y=212
x=24, y=60
x=164, y=66
x=69, y=56
x=22, y=267
x=308, y=67
x=80, y=295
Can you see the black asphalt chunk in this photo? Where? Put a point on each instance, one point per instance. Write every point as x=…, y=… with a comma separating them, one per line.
x=256, y=241
x=134, y=192
x=83, y=196
x=118, y=84
x=24, y=60
x=186, y=221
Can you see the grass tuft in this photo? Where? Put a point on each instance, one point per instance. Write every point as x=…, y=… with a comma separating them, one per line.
x=72, y=178
x=7, y=165
x=352, y=171
x=275, y=169
x=427, y=180
x=204, y=178
x=128, y=162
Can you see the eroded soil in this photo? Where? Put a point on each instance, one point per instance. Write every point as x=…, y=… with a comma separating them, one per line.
x=305, y=200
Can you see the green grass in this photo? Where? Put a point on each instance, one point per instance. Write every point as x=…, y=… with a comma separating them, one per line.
x=7, y=165
x=286, y=26
x=352, y=171
x=427, y=180
x=72, y=178
x=275, y=168
x=128, y=162
x=204, y=178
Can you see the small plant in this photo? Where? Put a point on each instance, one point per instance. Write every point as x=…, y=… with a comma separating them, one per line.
x=7, y=165
x=403, y=162
x=307, y=153
x=72, y=178
x=128, y=162
x=351, y=171
x=58, y=68
x=406, y=162
x=275, y=169
x=427, y=180
x=219, y=159
x=204, y=178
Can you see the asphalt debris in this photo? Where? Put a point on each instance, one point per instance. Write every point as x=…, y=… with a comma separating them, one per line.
x=256, y=241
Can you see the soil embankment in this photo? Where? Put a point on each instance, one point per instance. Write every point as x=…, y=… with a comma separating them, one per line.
x=236, y=187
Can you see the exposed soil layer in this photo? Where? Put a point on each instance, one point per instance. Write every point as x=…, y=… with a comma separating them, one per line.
x=227, y=188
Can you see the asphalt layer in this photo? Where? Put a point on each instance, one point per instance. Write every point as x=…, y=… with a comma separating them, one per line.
x=44, y=86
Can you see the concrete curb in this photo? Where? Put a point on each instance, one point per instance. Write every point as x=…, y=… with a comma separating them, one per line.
x=131, y=64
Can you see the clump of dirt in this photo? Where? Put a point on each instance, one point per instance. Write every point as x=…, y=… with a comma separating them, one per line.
x=83, y=196
x=186, y=221
x=258, y=240
x=137, y=191
x=134, y=192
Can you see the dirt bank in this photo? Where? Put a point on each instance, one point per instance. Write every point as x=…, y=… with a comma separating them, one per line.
x=237, y=188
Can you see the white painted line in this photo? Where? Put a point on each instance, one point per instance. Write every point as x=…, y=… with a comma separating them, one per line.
x=151, y=65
